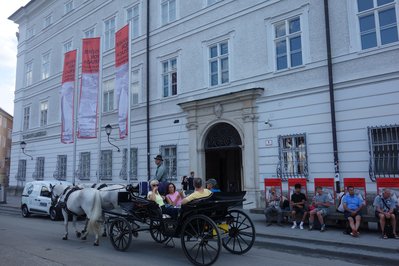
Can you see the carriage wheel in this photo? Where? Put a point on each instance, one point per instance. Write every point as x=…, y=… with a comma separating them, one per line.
x=241, y=233
x=120, y=234
x=200, y=239
x=156, y=231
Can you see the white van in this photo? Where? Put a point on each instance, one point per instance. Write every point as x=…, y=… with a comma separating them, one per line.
x=36, y=199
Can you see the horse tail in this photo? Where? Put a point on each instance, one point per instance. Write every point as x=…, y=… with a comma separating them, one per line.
x=96, y=212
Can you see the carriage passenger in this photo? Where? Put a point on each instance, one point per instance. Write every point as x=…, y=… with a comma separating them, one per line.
x=174, y=198
x=199, y=192
x=154, y=195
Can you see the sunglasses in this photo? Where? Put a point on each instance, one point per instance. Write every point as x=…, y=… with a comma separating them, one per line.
x=154, y=185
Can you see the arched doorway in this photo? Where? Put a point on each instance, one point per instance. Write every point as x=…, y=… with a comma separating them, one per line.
x=223, y=157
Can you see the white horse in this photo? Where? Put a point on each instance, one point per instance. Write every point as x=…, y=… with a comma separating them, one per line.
x=109, y=200
x=79, y=202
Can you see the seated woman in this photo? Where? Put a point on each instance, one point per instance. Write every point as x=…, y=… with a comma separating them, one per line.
x=154, y=195
x=173, y=197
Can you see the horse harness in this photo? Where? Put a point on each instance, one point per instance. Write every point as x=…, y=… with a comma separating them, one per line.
x=65, y=195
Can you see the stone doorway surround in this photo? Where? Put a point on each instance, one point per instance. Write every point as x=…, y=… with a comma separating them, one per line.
x=238, y=109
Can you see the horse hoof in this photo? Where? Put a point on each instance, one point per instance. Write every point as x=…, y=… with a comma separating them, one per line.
x=65, y=238
x=78, y=234
x=104, y=234
x=84, y=238
x=95, y=244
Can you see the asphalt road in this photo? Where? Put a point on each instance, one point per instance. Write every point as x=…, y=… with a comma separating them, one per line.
x=37, y=241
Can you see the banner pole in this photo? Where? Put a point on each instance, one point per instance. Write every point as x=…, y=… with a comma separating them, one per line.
x=99, y=109
x=129, y=132
x=75, y=115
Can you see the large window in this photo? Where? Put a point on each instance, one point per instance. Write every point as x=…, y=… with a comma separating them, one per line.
x=67, y=46
x=84, y=165
x=133, y=164
x=292, y=156
x=377, y=22
x=219, y=63
x=106, y=165
x=61, y=168
x=68, y=7
x=89, y=33
x=133, y=15
x=288, y=43
x=46, y=65
x=384, y=151
x=26, y=118
x=109, y=32
x=43, y=113
x=28, y=73
x=169, y=154
x=108, y=96
x=135, y=92
x=21, y=174
x=168, y=11
x=30, y=32
x=169, y=77
x=47, y=20
x=39, y=171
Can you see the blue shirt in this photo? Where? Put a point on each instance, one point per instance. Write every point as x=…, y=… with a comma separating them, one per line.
x=213, y=190
x=352, y=202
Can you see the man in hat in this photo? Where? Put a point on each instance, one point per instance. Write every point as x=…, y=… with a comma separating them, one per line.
x=211, y=185
x=161, y=174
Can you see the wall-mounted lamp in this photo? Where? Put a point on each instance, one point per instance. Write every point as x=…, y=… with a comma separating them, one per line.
x=23, y=146
x=108, y=130
x=267, y=123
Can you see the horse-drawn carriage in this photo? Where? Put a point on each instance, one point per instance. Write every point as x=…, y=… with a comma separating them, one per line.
x=203, y=225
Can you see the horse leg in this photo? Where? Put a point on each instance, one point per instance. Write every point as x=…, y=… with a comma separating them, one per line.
x=97, y=228
x=86, y=232
x=104, y=226
x=85, y=229
x=74, y=218
x=65, y=215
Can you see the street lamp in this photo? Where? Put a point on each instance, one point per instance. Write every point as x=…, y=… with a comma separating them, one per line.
x=23, y=146
x=108, y=129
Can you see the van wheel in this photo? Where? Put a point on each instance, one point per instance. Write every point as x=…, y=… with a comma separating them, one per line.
x=25, y=211
x=53, y=214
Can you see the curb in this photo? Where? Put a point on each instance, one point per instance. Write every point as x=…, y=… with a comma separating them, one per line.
x=329, y=243
x=314, y=252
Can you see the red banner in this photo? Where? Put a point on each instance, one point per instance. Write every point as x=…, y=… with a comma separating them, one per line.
x=122, y=46
x=327, y=184
x=68, y=97
x=88, y=104
x=122, y=78
x=291, y=186
x=358, y=183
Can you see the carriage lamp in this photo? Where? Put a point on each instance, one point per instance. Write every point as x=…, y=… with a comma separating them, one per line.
x=23, y=146
x=108, y=129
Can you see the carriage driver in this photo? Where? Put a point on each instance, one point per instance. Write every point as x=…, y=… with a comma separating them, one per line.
x=199, y=192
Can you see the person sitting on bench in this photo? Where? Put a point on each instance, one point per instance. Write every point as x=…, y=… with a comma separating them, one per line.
x=352, y=211
x=322, y=201
x=384, y=210
x=298, y=201
x=199, y=192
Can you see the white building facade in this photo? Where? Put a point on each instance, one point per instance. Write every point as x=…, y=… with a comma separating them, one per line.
x=233, y=90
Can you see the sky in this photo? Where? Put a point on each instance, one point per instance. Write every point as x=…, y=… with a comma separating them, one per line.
x=8, y=53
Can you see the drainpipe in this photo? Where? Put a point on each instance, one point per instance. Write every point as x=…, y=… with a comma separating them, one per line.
x=148, y=90
x=338, y=179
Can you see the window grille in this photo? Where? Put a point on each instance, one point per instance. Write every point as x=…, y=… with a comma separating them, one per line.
x=384, y=151
x=293, y=161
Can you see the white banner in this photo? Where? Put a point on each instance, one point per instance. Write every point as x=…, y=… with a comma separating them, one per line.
x=67, y=97
x=88, y=104
x=122, y=78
